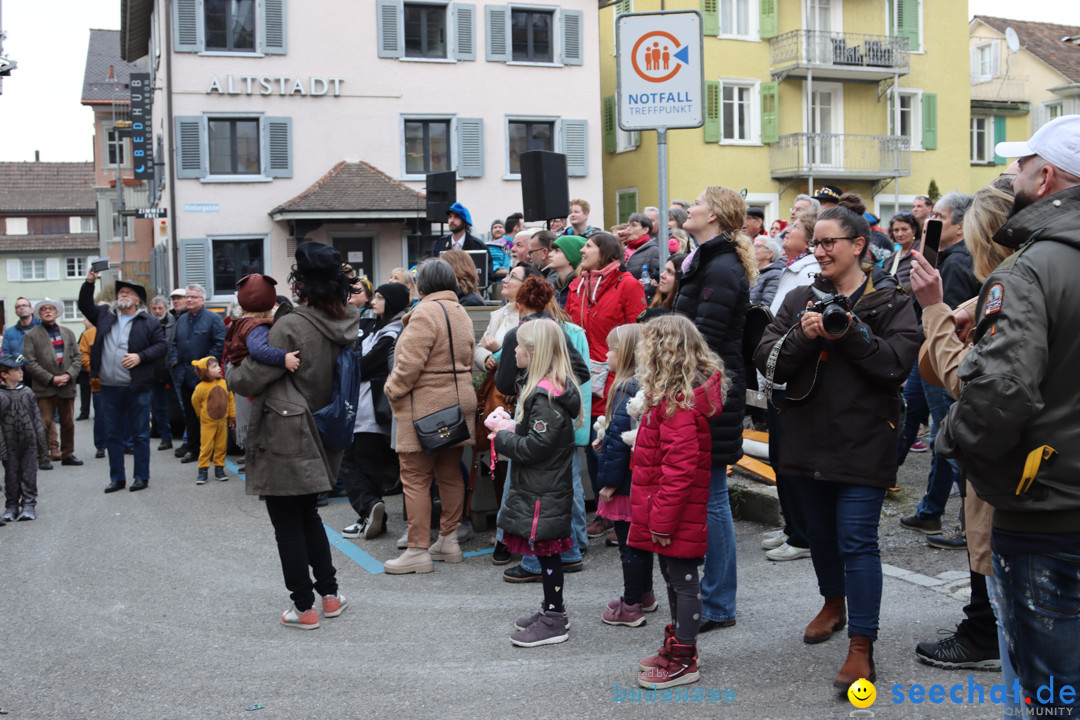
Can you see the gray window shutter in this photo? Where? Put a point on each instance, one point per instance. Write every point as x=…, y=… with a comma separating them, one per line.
x=188, y=22
x=191, y=150
x=470, y=138
x=572, y=51
x=14, y=270
x=195, y=263
x=464, y=31
x=272, y=18
x=52, y=268
x=390, y=22
x=575, y=136
x=277, y=146
x=498, y=33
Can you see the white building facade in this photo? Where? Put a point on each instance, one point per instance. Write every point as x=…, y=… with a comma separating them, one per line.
x=286, y=122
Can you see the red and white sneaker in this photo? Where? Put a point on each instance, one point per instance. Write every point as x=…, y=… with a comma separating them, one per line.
x=675, y=665
x=919, y=446
x=334, y=605
x=307, y=620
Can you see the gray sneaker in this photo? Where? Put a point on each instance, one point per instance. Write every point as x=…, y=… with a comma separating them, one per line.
x=549, y=629
x=9, y=515
x=28, y=513
x=523, y=623
x=465, y=531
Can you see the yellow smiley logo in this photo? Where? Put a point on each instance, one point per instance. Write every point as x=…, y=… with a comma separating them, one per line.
x=862, y=693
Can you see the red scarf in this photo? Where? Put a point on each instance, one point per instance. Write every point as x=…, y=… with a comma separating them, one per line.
x=633, y=245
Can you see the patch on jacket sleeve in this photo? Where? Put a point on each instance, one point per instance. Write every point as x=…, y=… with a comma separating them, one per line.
x=540, y=426
x=217, y=403
x=995, y=298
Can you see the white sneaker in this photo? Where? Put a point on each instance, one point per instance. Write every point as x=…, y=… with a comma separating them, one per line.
x=353, y=531
x=787, y=552
x=772, y=533
x=775, y=541
x=403, y=541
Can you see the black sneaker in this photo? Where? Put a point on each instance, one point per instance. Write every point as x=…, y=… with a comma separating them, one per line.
x=180, y=451
x=956, y=541
x=518, y=574
x=928, y=525
x=45, y=464
x=953, y=652
x=501, y=556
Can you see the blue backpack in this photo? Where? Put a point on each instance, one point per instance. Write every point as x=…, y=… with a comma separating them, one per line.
x=336, y=420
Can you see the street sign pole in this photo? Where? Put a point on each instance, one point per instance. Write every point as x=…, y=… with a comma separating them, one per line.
x=660, y=86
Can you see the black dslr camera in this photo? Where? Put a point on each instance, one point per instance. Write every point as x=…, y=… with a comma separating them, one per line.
x=834, y=310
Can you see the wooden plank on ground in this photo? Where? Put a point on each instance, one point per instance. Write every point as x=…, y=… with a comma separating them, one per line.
x=758, y=469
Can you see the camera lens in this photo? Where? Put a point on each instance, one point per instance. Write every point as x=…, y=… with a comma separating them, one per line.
x=834, y=319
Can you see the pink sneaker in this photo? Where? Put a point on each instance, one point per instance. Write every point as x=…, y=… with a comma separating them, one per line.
x=334, y=605
x=919, y=446
x=307, y=620
x=648, y=602
x=623, y=614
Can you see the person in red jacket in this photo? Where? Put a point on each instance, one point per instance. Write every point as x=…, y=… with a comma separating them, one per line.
x=684, y=385
x=602, y=298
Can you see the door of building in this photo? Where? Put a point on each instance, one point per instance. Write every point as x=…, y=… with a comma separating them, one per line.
x=358, y=251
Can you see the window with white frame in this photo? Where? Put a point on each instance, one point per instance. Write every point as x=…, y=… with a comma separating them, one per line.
x=434, y=30
x=910, y=116
x=737, y=18
x=982, y=140
x=78, y=224
x=33, y=269
x=226, y=148
x=15, y=226
x=229, y=26
x=71, y=311
x=627, y=140
x=234, y=146
x=115, y=148
x=531, y=34
x=569, y=137
x=74, y=267
x=985, y=62
x=739, y=103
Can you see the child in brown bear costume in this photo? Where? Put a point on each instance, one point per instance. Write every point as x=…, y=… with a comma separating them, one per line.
x=217, y=412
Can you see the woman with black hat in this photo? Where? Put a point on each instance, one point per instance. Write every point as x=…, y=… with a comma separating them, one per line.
x=286, y=461
x=370, y=458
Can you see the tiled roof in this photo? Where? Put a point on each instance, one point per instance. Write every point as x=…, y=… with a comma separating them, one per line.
x=354, y=186
x=47, y=187
x=39, y=243
x=1045, y=41
x=103, y=52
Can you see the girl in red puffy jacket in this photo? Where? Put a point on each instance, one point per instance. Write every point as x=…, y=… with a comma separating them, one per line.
x=684, y=386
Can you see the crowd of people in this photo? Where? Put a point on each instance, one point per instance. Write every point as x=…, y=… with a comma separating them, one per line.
x=599, y=353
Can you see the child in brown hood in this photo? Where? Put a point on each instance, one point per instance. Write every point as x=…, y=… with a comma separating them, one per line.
x=217, y=412
x=248, y=334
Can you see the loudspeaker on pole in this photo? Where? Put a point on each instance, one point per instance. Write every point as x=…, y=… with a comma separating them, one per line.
x=441, y=191
x=545, y=189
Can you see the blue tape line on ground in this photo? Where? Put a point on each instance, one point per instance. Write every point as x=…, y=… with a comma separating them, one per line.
x=233, y=468
x=354, y=553
x=474, y=553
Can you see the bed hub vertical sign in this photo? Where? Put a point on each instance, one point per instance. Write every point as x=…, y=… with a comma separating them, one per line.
x=142, y=142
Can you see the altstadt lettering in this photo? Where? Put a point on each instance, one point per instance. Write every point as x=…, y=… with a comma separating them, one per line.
x=276, y=84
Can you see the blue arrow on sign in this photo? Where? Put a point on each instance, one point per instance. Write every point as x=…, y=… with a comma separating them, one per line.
x=683, y=55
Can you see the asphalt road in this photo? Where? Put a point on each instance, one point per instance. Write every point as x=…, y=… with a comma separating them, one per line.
x=165, y=604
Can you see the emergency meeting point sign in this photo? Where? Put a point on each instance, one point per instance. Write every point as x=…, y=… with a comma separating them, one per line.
x=660, y=70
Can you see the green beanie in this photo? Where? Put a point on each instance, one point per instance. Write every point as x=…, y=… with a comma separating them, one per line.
x=571, y=247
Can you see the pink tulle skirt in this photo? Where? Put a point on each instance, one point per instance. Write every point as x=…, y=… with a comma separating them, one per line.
x=521, y=546
x=618, y=509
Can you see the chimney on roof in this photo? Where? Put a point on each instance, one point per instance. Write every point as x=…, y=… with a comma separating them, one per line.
x=112, y=74
x=37, y=156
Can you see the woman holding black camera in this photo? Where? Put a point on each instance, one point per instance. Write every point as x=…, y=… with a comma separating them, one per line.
x=843, y=345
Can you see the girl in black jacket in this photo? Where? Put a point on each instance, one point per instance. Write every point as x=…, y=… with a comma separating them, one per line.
x=535, y=518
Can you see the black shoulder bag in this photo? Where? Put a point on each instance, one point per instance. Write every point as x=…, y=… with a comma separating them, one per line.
x=444, y=428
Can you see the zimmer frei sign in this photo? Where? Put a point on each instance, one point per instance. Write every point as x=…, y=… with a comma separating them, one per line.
x=660, y=70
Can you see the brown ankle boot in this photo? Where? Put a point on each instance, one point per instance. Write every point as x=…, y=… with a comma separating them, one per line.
x=859, y=663
x=833, y=617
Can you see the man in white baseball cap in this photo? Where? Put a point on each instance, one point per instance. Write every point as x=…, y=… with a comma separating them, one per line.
x=1014, y=427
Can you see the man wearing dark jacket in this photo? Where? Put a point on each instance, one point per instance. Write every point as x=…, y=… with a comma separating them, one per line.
x=460, y=221
x=1014, y=426
x=197, y=333
x=128, y=344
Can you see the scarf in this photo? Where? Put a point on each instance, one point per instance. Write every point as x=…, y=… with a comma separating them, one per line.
x=633, y=245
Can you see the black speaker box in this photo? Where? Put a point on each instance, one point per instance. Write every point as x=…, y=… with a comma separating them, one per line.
x=545, y=190
x=441, y=194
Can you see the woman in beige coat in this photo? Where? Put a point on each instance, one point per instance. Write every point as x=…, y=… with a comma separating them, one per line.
x=429, y=375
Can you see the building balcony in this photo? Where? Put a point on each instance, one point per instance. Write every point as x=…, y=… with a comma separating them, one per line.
x=833, y=155
x=839, y=56
x=1001, y=89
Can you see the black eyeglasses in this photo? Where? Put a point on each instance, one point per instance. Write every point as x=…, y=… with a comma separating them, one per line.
x=828, y=243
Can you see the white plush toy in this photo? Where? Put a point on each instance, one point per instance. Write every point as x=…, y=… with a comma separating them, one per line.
x=634, y=408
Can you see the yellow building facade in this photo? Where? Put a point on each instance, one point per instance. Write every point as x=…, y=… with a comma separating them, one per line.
x=799, y=94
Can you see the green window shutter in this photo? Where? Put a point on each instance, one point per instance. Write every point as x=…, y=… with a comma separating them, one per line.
x=710, y=17
x=609, y=124
x=769, y=22
x=999, y=136
x=623, y=6
x=929, y=121
x=627, y=206
x=770, y=115
x=712, y=111
x=907, y=22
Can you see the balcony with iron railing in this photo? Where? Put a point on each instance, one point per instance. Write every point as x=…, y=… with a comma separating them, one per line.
x=835, y=155
x=999, y=90
x=839, y=56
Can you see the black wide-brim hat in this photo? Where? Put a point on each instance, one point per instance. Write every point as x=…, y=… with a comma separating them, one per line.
x=139, y=289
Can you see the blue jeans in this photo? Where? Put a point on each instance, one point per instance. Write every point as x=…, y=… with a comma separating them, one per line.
x=844, y=547
x=917, y=412
x=159, y=398
x=100, y=434
x=943, y=473
x=127, y=410
x=719, y=579
x=1037, y=601
x=577, y=522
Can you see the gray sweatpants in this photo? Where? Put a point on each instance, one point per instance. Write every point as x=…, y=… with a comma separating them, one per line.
x=20, y=479
x=684, y=596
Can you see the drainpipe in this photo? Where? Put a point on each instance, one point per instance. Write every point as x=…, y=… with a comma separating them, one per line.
x=175, y=249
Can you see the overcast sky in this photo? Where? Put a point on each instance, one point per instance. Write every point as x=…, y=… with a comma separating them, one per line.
x=40, y=110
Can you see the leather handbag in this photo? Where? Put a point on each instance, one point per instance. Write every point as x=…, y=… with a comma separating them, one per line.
x=443, y=428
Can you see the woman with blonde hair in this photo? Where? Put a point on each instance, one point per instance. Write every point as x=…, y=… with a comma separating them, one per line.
x=465, y=270
x=403, y=276
x=714, y=293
